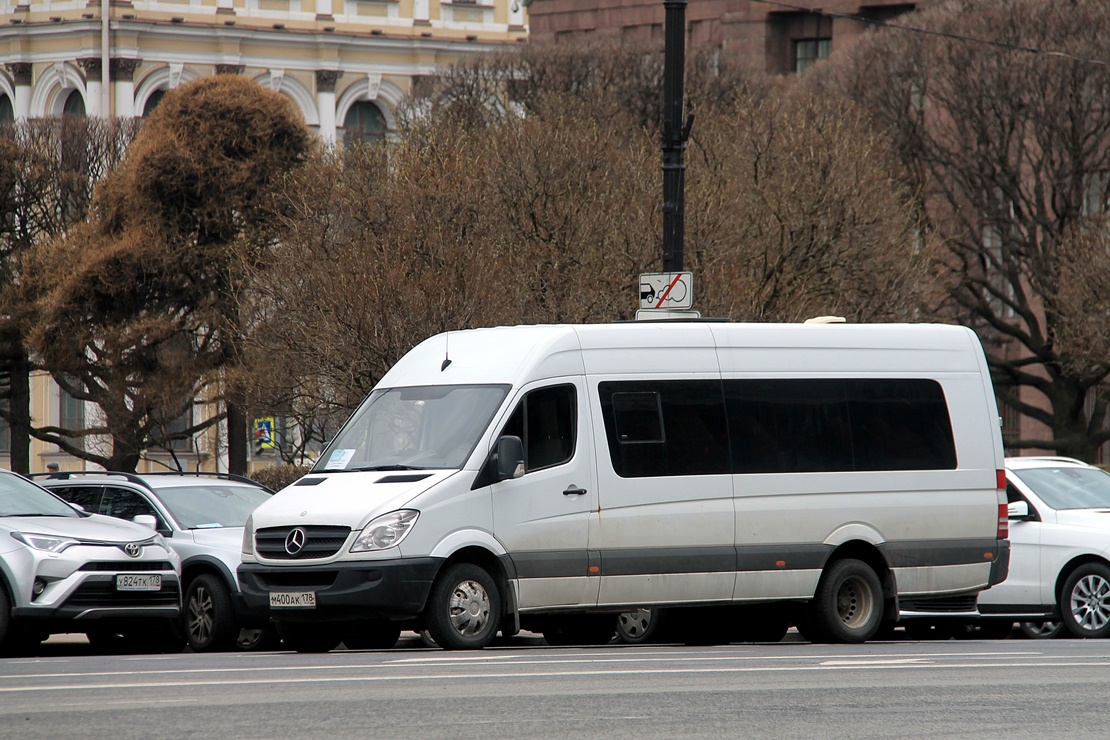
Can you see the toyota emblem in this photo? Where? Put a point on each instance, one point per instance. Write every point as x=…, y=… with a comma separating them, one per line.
x=134, y=549
x=294, y=541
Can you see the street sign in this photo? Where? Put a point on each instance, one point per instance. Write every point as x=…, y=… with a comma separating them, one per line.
x=666, y=290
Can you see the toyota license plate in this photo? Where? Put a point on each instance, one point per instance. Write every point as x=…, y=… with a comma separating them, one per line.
x=291, y=600
x=128, y=582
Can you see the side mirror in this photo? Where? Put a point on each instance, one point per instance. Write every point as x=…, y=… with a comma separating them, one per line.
x=146, y=520
x=1019, y=510
x=509, y=457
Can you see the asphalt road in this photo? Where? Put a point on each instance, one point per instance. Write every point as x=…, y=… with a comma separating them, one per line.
x=950, y=689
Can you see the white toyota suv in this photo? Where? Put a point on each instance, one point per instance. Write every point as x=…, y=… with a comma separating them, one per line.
x=65, y=570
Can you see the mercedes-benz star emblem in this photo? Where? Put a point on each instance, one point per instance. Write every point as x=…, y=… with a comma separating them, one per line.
x=134, y=549
x=294, y=541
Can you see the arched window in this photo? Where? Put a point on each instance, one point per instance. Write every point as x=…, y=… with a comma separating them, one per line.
x=7, y=112
x=75, y=105
x=152, y=102
x=364, y=122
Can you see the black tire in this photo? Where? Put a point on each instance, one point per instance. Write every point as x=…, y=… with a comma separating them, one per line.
x=209, y=619
x=13, y=640
x=580, y=629
x=310, y=637
x=375, y=634
x=464, y=608
x=258, y=638
x=848, y=604
x=1042, y=630
x=643, y=626
x=1085, y=601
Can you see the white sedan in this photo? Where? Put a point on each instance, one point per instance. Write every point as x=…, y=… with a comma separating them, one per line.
x=1059, y=575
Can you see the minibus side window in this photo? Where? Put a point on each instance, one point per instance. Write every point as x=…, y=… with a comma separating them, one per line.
x=545, y=420
x=665, y=427
x=811, y=425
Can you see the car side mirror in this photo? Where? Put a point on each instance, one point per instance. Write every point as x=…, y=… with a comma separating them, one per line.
x=146, y=520
x=1018, y=510
x=509, y=456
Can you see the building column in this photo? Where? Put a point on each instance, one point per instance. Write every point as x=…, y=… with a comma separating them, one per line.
x=123, y=84
x=325, y=103
x=21, y=75
x=323, y=10
x=93, y=86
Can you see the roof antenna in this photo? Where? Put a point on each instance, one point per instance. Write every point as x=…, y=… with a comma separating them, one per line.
x=446, y=359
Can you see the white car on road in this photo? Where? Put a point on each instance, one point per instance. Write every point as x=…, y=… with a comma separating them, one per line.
x=1059, y=548
x=65, y=570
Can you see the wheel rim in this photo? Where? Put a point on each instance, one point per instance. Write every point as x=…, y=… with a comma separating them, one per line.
x=1090, y=603
x=634, y=625
x=469, y=609
x=200, y=615
x=854, y=602
x=1041, y=629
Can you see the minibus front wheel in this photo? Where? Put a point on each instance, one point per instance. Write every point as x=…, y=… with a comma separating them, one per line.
x=464, y=608
x=848, y=604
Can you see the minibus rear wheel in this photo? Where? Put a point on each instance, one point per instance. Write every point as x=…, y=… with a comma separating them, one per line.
x=848, y=604
x=464, y=608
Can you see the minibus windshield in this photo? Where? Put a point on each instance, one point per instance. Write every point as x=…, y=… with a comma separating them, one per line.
x=414, y=428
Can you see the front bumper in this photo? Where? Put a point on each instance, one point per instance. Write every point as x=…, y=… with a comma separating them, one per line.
x=383, y=589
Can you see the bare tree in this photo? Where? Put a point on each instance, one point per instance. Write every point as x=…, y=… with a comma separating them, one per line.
x=793, y=213
x=48, y=168
x=1002, y=119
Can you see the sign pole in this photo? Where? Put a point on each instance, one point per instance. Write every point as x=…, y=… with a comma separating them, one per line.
x=675, y=134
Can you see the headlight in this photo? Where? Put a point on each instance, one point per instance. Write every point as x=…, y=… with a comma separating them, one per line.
x=386, y=531
x=248, y=535
x=50, y=543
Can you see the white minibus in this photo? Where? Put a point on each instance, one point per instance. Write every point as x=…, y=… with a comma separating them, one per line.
x=548, y=478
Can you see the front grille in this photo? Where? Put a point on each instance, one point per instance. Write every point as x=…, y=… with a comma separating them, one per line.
x=950, y=604
x=125, y=567
x=314, y=580
x=102, y=594
x=320, y=542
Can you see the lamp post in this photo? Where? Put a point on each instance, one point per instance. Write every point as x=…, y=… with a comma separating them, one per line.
x=675, y=134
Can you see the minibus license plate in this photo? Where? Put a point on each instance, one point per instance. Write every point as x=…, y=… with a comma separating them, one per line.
x=286, y=600
x=127, y=582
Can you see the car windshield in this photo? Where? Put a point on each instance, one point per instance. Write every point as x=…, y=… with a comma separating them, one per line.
x=19, y=497
x=211, y=506
x=414, y=428
x=1069, y=488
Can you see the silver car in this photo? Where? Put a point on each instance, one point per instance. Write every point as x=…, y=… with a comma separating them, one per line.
x=65, y=570
x=201, y=516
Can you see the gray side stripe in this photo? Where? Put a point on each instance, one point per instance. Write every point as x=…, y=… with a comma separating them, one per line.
x=746, y=558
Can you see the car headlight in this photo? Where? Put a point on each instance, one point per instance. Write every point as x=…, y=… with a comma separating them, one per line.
x=386, y=531
x=49, y=543
x=248, y=535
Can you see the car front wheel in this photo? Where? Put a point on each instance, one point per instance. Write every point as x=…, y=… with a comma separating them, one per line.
x=1085, y=605
x=209, y=618
x=464, y=608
